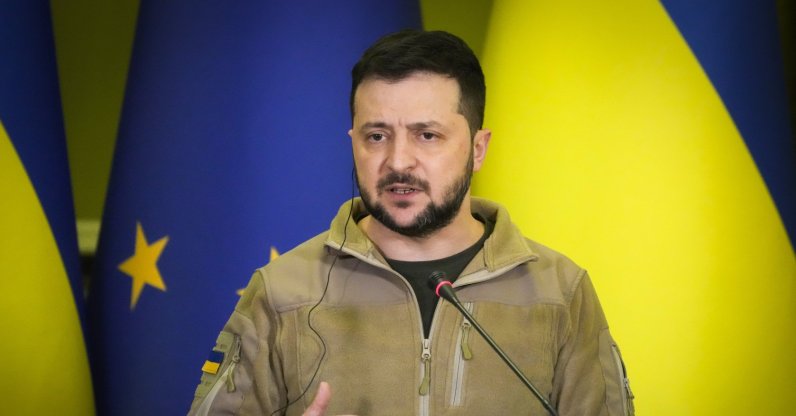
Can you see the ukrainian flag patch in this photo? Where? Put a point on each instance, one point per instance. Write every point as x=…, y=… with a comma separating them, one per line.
x=213, y=362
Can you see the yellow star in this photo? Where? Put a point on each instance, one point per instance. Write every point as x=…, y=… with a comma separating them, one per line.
x=274, y=254
x=142, y=265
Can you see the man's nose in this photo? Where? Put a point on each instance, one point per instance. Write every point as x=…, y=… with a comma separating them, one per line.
x=403, y=154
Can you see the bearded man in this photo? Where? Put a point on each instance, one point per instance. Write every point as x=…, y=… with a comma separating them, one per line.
x=350, y=310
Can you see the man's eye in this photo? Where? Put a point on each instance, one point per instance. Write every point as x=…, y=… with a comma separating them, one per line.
x=376, y=137
x=428, y=136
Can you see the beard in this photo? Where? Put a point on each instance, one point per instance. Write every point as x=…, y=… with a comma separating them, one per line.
x=434, y=217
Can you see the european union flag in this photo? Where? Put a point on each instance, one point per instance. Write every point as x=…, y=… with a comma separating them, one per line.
x=232, y=148
x=44, y=357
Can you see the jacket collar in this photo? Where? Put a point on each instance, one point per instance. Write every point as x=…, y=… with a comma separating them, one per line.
x=506, y=245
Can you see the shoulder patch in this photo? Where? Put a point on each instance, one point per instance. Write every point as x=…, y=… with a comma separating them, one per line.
x=225, y=353
x=213, y=362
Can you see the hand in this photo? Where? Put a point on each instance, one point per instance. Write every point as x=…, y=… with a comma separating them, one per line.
x=321, y=400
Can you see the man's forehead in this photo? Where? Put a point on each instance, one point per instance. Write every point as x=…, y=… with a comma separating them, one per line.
x=417, y=88
x=409, y=77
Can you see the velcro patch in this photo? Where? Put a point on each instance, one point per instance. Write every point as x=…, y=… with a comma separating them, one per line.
x=213, y=362
x=217, y=361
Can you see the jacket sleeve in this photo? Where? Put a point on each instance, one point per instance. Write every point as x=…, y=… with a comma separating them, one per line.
x=248, y=379
x=590, y=377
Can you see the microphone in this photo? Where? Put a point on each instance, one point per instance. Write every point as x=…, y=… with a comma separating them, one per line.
x=443, y=287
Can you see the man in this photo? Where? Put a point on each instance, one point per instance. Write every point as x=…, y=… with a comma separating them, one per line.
x=351, y=307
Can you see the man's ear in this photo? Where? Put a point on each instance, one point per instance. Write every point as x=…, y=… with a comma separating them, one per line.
x=351, y=133
x=480, y=144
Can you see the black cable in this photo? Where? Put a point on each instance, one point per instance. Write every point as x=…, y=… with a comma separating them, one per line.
x=323, y=295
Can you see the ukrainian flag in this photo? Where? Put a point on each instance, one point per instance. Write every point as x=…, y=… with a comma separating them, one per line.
x=44, y=358
x=232, y=142
x=651, y=143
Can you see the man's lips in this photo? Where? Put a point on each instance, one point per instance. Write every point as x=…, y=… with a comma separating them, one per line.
x=401, y=189
x=401, y=184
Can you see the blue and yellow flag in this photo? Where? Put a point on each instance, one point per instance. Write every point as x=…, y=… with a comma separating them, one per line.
x=651, y=143
x=44, y=357
x=232, y=141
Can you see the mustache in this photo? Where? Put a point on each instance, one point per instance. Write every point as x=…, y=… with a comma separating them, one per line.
x=393, y=178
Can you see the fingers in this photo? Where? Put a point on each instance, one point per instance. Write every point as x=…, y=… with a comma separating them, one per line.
x=321, y=400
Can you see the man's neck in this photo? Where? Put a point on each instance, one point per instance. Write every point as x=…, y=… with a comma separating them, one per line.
x=461, y=233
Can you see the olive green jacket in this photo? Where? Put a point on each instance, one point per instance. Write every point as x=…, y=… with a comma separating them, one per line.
x=365, y=337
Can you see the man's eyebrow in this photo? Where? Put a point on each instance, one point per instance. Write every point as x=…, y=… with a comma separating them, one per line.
x=373, y=125
x=420, y=125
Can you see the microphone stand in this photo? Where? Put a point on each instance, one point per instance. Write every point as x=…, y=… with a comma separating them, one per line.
x=443, y=288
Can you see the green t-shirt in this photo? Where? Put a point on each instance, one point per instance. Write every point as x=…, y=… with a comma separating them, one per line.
x=417, y=272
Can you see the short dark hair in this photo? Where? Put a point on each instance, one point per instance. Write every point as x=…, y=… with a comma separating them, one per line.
x=398, y=55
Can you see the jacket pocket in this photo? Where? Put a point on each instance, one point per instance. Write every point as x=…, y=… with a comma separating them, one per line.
x=461, y=354
x=627, y=394
x=619, y=397
x=218, y=370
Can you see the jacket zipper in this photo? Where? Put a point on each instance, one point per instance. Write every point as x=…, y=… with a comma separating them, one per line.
x=627, y=394
x=460, y=355
x=425, y=383
x=235, y=359
x=425, y=360
x=225, y=379
x=467, y=353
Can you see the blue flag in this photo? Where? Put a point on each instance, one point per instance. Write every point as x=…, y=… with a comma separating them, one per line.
x=40, y=283
x=232, y=148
